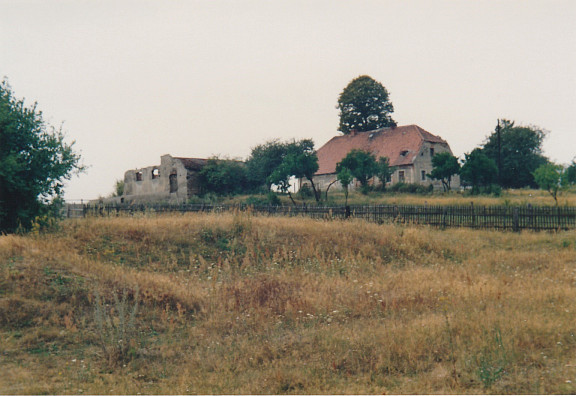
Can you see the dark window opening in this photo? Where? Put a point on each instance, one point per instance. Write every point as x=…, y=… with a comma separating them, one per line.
x=401, y=177
x=155, y=173
x=431, y=151
x=173, y=183
x=423, y=174
x=138, y=176
x=404, y=153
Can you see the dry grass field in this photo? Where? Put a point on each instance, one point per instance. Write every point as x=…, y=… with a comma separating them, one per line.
x=236, y=303
x=519, y=197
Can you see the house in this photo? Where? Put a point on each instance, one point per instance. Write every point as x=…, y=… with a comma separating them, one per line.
x=176, y=179
x=408, y=148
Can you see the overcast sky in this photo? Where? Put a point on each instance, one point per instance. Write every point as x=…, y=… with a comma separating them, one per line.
x=133, y=80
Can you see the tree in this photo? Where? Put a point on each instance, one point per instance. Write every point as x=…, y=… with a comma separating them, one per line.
x=520, y=153
x=224, y=176
x=384, y=171
x=303, y=162
x=552, y=178
x=571, y=173
x=478, y=170
x=34, y=162
x=300, y=160
x=280, y=177
x=345, y=178
x=445, y=165
x=364, y=105
x=118, y=188
x=263, y=160
x=362, y=166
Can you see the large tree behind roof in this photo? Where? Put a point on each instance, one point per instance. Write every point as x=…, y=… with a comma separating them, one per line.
x=364, y=106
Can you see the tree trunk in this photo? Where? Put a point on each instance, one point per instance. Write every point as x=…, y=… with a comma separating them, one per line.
x=328, y=188
x=316, y=193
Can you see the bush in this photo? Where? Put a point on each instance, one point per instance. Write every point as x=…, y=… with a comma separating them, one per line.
x=223, y=176
x=257, y=200
x=273, y=199
x=411, y=188
x=492, y=189
x=208, y=198
x=305, y=192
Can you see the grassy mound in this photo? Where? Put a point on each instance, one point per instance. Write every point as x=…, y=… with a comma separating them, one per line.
x=235, y=303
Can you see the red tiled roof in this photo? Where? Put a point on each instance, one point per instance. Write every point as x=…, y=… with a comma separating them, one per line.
x=385, y=142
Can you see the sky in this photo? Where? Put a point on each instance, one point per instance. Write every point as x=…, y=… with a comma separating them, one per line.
x=130, y=81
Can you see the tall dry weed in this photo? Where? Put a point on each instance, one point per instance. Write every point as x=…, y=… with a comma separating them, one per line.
x=117, y=328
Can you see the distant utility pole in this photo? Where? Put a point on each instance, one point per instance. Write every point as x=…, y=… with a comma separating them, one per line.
x=499, y=153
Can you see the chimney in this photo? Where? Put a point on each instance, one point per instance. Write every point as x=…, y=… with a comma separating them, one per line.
x=353, y=132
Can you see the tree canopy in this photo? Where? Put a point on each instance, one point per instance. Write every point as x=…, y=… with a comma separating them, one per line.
x=445, y=165
x=520, y=153
x=263, y=160
x=299, y=160
x=345, y=177
x=34, y=161
x=364, y=105
x=224, y=176
x=362, y=165
x=384, y=171
x=478, y=170
x=552, y=178
x=571, y=173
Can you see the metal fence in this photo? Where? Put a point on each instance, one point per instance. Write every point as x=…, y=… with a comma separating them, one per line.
x=514, y=218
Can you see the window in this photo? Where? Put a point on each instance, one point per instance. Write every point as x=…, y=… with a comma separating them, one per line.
x=155, y=173
x=173, y=182
x=431, y=151
x=401, y=177
x=404, y=153
x=423, y=175
x=138, y=176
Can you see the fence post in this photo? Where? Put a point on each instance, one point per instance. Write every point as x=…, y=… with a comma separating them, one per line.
x=515, y=220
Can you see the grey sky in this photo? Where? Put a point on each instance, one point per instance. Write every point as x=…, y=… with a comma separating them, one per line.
x=133, y=80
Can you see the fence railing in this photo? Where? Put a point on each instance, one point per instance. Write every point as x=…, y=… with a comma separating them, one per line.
x=514, y=218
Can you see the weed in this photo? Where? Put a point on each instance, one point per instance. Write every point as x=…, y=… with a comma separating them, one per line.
x=117, y=330
x=492, y=361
